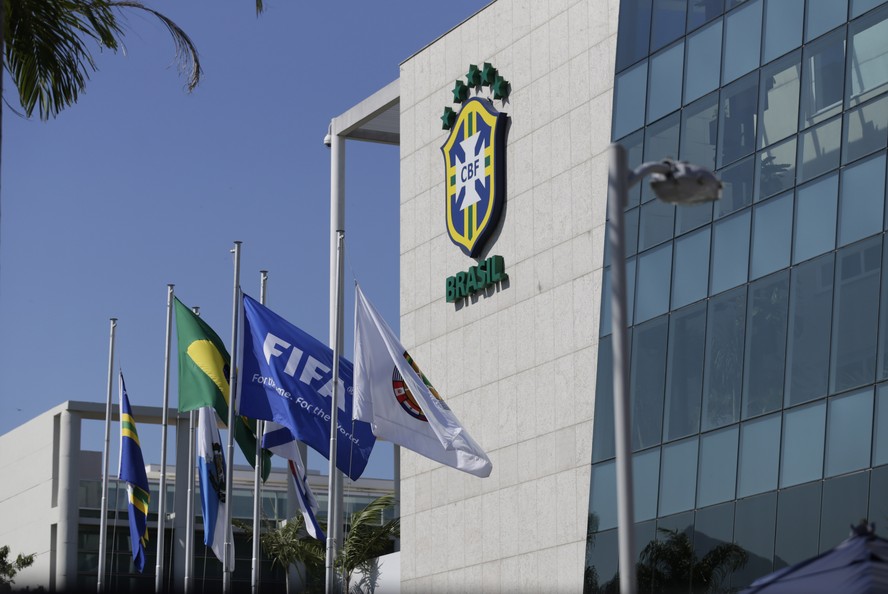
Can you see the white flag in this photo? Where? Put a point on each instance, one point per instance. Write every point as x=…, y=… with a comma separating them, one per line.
x=278, y=440
x=211, y=468
x=398, y=401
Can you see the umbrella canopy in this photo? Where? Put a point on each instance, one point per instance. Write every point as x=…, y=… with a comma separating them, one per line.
x=858, y=565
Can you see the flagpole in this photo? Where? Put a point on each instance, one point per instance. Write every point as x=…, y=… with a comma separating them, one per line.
x=161, y=503
x=228, y=562
x=189, y=505
x=334, y=508
x=257, y=471
x=103, y=522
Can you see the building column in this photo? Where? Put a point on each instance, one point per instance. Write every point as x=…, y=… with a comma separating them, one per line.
x=68, y=501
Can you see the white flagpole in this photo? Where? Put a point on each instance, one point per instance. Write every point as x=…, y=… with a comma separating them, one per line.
x=228, y=562
x=334, y=508
x=103, y=522
x=257, y=474
x=161, y=496
x=189, y=505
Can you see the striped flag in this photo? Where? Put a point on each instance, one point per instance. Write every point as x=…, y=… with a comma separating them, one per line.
x=132, y=470
x=211, y=470
x=280, y=441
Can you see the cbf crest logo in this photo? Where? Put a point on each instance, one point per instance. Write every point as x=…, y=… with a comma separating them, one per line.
x=475, y=161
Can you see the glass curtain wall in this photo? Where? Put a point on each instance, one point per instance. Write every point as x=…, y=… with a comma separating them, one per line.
x=758, y=324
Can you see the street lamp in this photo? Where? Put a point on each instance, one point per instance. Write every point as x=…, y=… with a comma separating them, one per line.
x=675, y=182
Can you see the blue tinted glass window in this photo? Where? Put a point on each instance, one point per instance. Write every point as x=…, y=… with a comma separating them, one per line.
x=645, y=482
x=849, y=432
x=866, y=130
x=684, y=372
x=730, y=252
x=819, y=149
x=737, y=120
x=634, y=33
x=718, y=466
x=647, y=382
x=703, y=11
x=668, y=22
x=714, y=526
x=759, y=456
x=754, y=525
x=634, y=145
x=858, y=7
x=601, y=553
x=815, y=227
x=724, y=368
x=630, y=89
x=743, y=34
x=691, y=268
x=798, y=525
x=737, y=187
x=823, y=15
x=603, y=433
x=776, y=169
x=691, y=217
x=765, y=344
x=855, y=315
x=605, y=325
x=678, y=477
x=868, y=57
x=880, y=439
x=654, y=272
x=698, y=132
x=771, y=235
x=703, y=70
x=862, y=200
x=657, y=220
x=803, y=430
x=603, y=495
x=779, y=101
x=631, y=223
x=810, y=320
x=661, y=142
x=783, y=27
x=664, y=88
x=848, y=494
x=822, y=76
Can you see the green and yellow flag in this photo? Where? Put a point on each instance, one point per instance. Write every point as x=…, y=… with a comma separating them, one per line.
x=204, y=365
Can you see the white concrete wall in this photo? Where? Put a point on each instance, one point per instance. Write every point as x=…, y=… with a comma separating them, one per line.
x=517, y=366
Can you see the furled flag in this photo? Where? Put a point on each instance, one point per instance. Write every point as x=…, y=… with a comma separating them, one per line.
x=132, y=470
x=280, y=441
x=211, y=471
x=287, y=377
x=203, y=379
x=402, y=406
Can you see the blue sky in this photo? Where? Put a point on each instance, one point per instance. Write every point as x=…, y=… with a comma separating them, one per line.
x=141, y=184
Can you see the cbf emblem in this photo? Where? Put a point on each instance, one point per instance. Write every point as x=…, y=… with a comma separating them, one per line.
x=475, y=166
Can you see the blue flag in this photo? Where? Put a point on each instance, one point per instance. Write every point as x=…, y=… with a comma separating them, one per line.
x=287, y=377
x=132, y=470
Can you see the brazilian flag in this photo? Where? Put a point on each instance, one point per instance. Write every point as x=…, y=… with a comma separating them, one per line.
x=204, y=365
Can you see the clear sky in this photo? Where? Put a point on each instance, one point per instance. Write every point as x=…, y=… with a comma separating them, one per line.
x=141, y=184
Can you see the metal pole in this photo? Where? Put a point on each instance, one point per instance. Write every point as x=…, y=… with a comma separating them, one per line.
x=618, y=176
x=228, y=562
x=257, y=471
x=334, y=507
x=396, y=455
x=161, y=503
x=189, y=505
x=103, y=522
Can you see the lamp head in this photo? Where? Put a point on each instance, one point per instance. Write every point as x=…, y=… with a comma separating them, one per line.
x=686, y=183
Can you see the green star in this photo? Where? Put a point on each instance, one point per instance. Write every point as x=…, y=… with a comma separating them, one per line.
x=473, y=76
x=501, y=88
x=448, y=118
x=460, y=92
x=488, y=74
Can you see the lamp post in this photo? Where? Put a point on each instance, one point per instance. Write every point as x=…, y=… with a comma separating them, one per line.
x=674, y=182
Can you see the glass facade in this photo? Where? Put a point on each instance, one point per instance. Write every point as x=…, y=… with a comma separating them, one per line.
x=759, y=324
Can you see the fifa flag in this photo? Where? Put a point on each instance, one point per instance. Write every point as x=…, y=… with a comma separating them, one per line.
x=287, y=377
x=211, y=472
x=393, y=395
x=132, y=470
x=280, y=441
x=203, y=379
